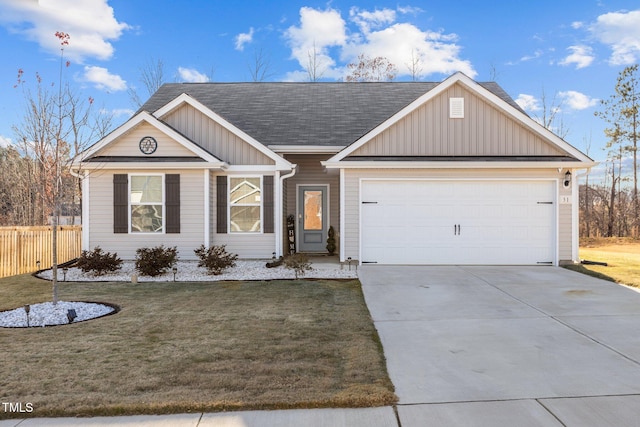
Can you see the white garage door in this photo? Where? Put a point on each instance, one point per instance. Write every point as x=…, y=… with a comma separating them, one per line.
x=458, y=222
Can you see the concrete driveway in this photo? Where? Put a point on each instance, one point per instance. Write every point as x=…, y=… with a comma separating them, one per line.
x=526, y=346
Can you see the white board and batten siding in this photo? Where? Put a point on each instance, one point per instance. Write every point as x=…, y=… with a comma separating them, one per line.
x=100, y=217
x=492, y=213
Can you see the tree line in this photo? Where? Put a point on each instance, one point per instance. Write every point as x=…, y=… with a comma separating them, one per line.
x=610, y=207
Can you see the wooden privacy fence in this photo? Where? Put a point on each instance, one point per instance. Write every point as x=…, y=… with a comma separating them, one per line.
x=22, y=247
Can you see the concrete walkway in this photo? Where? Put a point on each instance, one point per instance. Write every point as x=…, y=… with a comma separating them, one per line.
x=488, y=346
x=476, y=346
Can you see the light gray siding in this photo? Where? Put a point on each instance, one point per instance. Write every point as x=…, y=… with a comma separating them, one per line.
x=352, y=199
x=191, y=217
x=245, y=245
x=484, y=131
x=215, y=138
x=128, y=144
x=311, y=172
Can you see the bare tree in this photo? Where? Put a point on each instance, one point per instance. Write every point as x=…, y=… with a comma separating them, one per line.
x=415, y=66
x=151, y=77
x=315, y=68
x=367, y=69
x=551, y=117
x=260, y=69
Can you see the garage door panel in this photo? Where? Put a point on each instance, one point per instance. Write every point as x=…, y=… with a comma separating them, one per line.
x=458, y=222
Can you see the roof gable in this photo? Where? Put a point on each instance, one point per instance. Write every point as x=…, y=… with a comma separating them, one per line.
x=124, y=143
x=499, y=128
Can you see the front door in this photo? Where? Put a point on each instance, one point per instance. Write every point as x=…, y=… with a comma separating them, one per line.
x=312, y=218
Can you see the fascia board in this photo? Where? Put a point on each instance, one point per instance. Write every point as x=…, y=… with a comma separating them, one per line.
x=456, y=165
x=306, y=149
x=184, y=98
x=154, y=165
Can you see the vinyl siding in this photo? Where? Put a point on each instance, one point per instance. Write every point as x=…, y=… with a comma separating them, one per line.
x=352, y=199
x=310, y=172
x=101, y=217
x=214, y=138
x=245, y=245
x=128, y=144
x=484, y=131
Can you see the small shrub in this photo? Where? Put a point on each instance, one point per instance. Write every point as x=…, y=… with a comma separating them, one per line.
x=98, y=262
x=299, y=263
x=216, y=258
x=155, y=261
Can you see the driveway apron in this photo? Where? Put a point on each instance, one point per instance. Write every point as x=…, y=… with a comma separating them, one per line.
x=524, y=340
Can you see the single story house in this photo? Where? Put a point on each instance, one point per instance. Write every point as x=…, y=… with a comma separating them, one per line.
x=452, y=172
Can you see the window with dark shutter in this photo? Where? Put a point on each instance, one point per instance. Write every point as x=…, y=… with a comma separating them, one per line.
x=120, y=203
x=221, y=204
x=267, y=191
x=172, y=200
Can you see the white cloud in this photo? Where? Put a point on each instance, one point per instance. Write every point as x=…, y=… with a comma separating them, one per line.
x=577, y=25
x=373, y=33
x=91, y=25
x=243, y=39
x=528, y=102
x=191, y=75
x=621, y=32
x=4, y=141
x=368, y=20
x=576, y=100
x=581, y=56
x=102, y=79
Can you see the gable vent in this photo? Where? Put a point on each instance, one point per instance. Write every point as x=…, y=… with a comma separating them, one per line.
x=456, y=108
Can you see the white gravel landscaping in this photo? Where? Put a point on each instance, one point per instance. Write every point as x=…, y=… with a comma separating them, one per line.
x=188, y=271
x=47, y=314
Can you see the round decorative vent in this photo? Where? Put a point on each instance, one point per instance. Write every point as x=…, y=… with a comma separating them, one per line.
x=148, y=145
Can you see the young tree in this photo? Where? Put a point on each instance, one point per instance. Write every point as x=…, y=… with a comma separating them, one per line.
x=152, y=77
x=414, y=66
x=260, y=70
x=52, y=131
x=367, y=69
x=315, y=68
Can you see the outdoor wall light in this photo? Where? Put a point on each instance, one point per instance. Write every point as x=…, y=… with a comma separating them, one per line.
x=71, y=315
x=175, y=271
x=567, y=179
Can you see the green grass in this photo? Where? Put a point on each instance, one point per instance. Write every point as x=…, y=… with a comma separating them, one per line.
x=621, y=255
x=185, y=347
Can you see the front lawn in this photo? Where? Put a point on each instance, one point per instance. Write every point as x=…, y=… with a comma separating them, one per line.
x=187, y=347
x=622, y=256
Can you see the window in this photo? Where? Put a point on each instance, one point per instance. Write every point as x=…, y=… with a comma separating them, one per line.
x=245, y=205
x=146, y=194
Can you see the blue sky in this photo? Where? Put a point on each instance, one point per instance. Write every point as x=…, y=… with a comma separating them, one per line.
x=570, y=51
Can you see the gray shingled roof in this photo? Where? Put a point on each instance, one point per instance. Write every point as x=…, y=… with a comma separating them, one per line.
x=323, y=114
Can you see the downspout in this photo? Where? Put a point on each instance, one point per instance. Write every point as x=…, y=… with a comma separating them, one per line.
x=280, y=212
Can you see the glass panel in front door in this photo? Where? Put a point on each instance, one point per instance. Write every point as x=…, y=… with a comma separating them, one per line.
x=313, y=210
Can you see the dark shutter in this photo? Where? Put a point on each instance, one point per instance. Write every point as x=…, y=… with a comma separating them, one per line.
x=267, y=194
x=221, y=204
x=120, y=203
x=172, y=202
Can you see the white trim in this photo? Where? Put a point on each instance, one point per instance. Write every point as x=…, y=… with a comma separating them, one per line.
x=186, y=99
x=372, y=164
x=207, y=208
x=306, y=149
x=86, y=225
x=342, y=216
x=583, y=160
x=555, y=181
x=151, y=165
x=299, y=229
x=144, y=117
x=575, y=218
x=277, y=214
